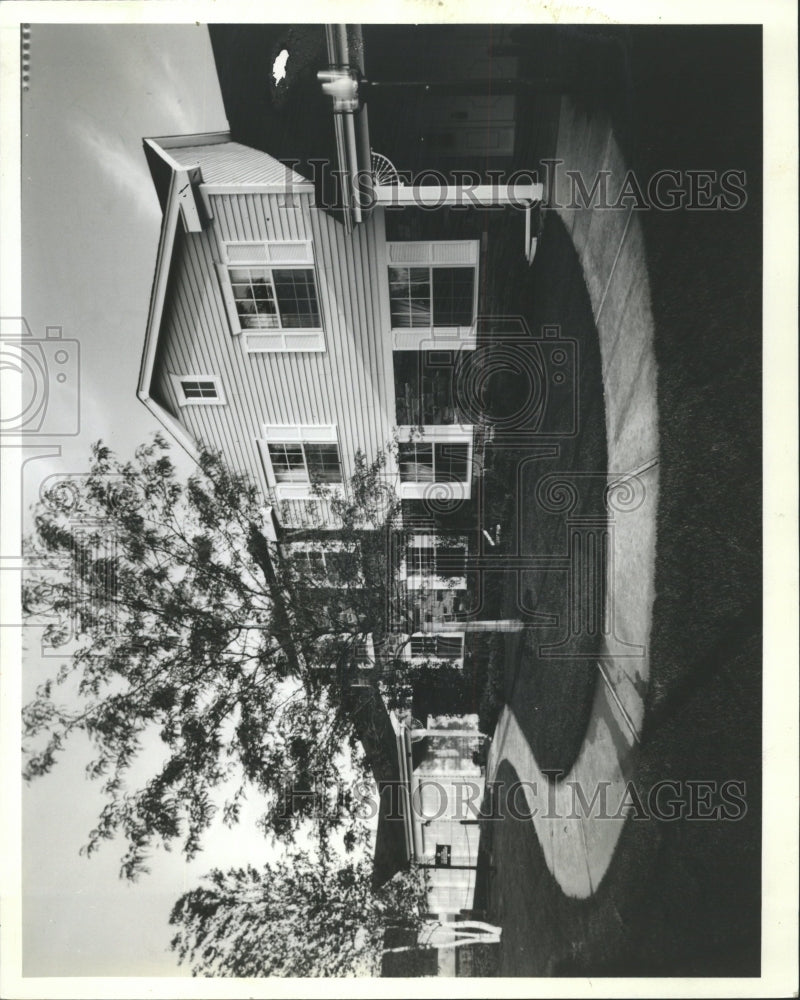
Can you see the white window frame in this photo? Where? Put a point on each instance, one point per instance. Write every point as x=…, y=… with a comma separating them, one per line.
x=434, y=434
x=297, y=434
x=433, y=254
x=412, y=657
x=324, y=549
x=284, y=255
x=178, y=380
x=425, y=540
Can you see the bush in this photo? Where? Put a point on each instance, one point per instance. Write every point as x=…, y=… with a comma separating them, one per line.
x=493, y=696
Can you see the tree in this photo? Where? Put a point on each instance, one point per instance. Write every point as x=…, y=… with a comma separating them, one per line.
x=300, y=916
x=187, y=623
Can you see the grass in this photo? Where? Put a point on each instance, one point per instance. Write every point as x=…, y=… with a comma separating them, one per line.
x=680, y=898
x=551, y=695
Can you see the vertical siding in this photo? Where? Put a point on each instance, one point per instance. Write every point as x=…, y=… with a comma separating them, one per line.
x=350, y=384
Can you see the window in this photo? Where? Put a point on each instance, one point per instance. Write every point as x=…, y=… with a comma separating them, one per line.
x=275, y=299
x=432, y=562
x=443, y=561
x=438, y=296
x=305, y=462
x=311, y=562
x=425, y=462
x=323, y=463
x=296, y=456
x=327, y=565
x=437, y=646
x=435, y=457
x=270, y=293
x=193, y=389
x=198, y=390
x=288, y=463
x=428, y=387
x=432, y=291
x=410, y=296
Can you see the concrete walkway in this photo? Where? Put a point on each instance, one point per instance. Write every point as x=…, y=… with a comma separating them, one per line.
x=578, y=845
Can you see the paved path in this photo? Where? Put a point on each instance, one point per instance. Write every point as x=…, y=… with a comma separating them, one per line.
x=610, y=246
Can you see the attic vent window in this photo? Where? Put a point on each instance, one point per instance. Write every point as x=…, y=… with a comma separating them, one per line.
x=198, y=390
x=279, y=66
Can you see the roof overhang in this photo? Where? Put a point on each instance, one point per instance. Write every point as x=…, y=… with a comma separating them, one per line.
x=180, y=208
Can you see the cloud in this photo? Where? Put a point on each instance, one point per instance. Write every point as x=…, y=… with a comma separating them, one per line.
x=124, y=167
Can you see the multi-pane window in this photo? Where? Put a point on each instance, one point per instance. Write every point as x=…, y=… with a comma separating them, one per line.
x=450, y=463
x=311, y=562
x=423, y=462
x=431, y=296
x=320, y=564
x=436, y=646
x=427, y=388
x=445, y=561
x=275, y=298
x=416, y=462
x=328, y=565
x=410, y=296
x=199, y=389
x=323, y=462
x=304, y=462
x=288, y=463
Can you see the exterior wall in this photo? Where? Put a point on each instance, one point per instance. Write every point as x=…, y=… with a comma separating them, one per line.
x=449, y=789
x=348, y=385
x=273, y=388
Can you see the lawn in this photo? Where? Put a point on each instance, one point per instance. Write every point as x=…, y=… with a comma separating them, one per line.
x=679, y=898
x=551, y=694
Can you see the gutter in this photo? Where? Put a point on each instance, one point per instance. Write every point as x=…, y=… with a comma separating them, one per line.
x=170, y=424
x=362, y=122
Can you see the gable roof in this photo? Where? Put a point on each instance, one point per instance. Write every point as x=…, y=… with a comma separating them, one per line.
x=233, y=163
x=178, y=166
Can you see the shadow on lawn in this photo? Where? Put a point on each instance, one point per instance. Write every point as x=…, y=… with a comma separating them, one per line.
x=549, y=684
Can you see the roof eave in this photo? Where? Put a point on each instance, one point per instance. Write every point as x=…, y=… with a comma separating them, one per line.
x=166, y=244
x=171, y=425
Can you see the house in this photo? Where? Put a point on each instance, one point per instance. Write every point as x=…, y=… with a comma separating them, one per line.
x=291, y=335
x=290, y=343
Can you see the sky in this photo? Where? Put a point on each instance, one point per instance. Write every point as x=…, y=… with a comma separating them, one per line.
x=90, y=233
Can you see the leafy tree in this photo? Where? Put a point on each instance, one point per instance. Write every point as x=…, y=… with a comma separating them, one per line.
x=300, y=916
x=187, y=623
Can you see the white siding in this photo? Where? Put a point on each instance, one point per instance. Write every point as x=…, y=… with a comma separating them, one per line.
x=349, y=385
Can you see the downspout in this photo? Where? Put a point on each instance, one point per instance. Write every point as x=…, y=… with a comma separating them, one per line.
x=362, y=125
x=332, y=43
x=347, y=149
x=352, y=165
